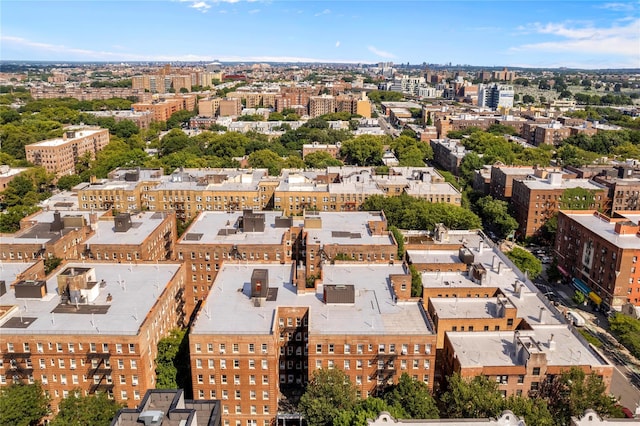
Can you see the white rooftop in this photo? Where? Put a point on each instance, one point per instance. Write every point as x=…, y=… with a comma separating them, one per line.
x=544, y=184
x=61, y=141
x=143, y=224
x=10, y=270
x=134, y=289
x=206, y=226
x=355, y=223
x=229, y=309
x=606, y=230
x=497, y=349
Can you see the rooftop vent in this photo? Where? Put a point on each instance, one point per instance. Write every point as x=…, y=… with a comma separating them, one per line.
x=122, y=222
x=339, y=293
x=151, y=417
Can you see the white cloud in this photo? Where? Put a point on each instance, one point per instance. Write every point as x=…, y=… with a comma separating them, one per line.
x=380, y=53
x=338, y=43
x=617, y=7
x=201, y=6
x=324, y=12
x=252, y=11
x=585, y=38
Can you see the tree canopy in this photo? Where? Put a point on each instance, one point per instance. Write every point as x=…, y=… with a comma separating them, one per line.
x=91, y=410
x=407, y=212
x=525, y=261
x=23, y=405
x=328, y=393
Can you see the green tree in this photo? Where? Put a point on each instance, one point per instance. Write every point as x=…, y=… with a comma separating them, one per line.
x=91, y=410
x=265, y=158
x=172, y=362
x=413, y=397
x=50, y=264
x=579, y=297
x=328, y=393
x=321, y=160
x=369, y=408
x=365, y=150
x=525, y=261
x=416, y=282
x=23, y=405
x=10, y=218
x=477, y=397
x=528, y=99
x=627, y=330
x=125, y=129
x=572, y=392
x=68, y=181
x=399, y=239
x=496, y=213
x=534, y=411
x=175, y=140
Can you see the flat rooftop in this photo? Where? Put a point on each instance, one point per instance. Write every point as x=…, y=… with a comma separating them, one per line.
x=606, y=230
x=433, y=256
x=134, y=290
x=229, y=309
x=466, y=307
x=142, y=225
x=497, y=349
x=10, y=270
x=544, y=184
x=418, y=189
x=79, y=134
x=206, y=228
x=348, y=228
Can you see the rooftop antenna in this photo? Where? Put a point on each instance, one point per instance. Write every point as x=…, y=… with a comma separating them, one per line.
x=26, y=308
x=92, y=320
x=53, y=319
x=135, y=314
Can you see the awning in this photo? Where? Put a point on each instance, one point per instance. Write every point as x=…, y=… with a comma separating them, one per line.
x=596, y=299
x=562, y=271
x=580, y=285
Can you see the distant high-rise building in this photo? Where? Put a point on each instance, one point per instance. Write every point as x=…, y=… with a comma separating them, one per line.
x=495, y=96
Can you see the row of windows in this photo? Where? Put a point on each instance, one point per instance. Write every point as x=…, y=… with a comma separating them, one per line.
x=380, y=364
x=225, y=380
x=222, y=364
x=71, y=347
x=381, y=348
x=235, y=348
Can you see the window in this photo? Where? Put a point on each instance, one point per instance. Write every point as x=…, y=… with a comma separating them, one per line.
x=200, y=379
x=252, y=348
x=536, y=371
x=347, y=349
x=118, y=348
x=236, y=363
x=223, y=379
x=134, y=364
x=123, y=379
x=252, y=364
x=198, y=347
x=223, y=364
x=265, y=379
x=521, y=378
x=223, y=348
x=318, y=348
x=265, y=364
x=264, y=348
x=535, y=386
x=265, y=395
x=502, y=379
x=330, y=348
x=236, y=348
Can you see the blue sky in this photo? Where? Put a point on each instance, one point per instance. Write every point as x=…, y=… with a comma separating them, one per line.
x=586, y=34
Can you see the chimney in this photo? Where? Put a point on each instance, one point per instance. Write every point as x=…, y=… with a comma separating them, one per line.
x=516, y=335
x=517, y=286
x=493, y=262
x=541, y=314
x=57, y=224
x=500, y=265
x=122, y=222
x=480, y=247
x=552, y=343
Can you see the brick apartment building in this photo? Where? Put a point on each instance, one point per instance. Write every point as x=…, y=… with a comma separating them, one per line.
x=353, y=321
x=600, y=255
x=143, y=236
x=163, y=109
x=47, y=234
x=490, y=305
x=215, y=238
x=7, y=174
x=60, y=155
x=89, y=326
x=535, y=200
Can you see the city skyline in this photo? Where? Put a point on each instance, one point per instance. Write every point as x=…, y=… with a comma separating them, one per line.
x=588, y=35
